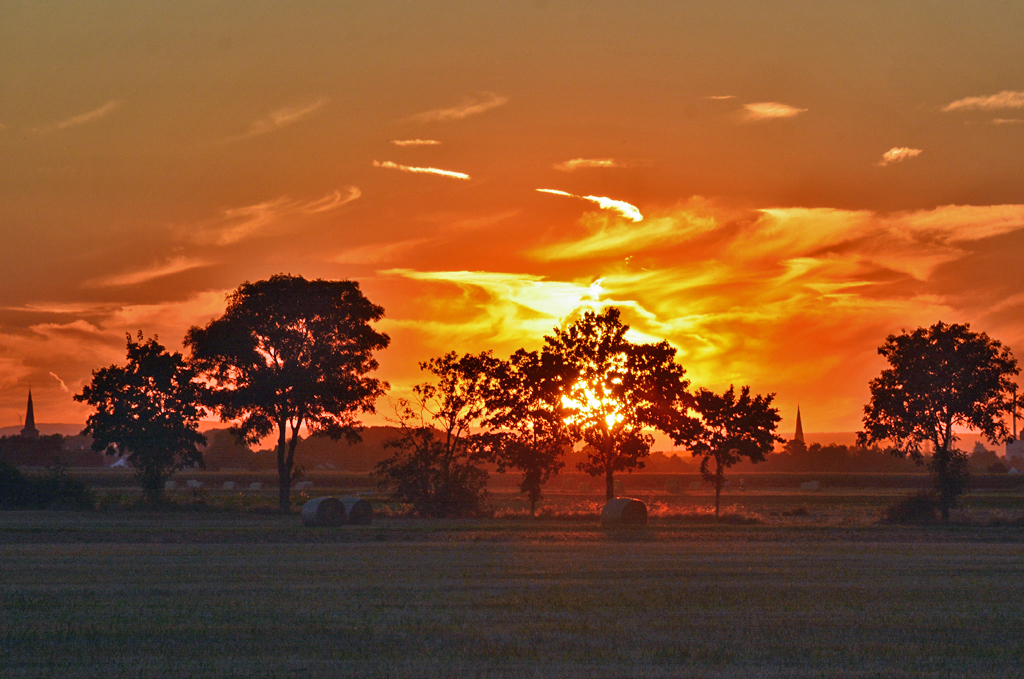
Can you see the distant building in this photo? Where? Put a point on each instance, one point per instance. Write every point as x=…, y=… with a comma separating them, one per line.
x=799, y=435
x=29, y=431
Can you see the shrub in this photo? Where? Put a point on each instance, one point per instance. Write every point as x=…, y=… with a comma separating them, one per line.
x=53, y=490
x=917, y=508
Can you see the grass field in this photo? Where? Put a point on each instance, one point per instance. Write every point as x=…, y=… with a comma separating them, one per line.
x=229, y=594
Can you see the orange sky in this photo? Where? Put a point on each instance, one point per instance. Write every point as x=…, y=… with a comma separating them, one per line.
x=772, y=187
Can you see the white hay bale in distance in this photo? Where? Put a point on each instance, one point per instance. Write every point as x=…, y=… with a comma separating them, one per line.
x=168, y=485
x=255, y=485
x=624, y=511
x=323, y=511
x=810, y=485
x=359, y=511
x=229, y=485
x=303, y=485
x=194, y=485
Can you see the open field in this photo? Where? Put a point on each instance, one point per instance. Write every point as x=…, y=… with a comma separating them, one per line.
x=192, y=594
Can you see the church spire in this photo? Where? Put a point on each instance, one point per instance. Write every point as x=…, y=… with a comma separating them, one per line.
x=30, y=431
x=799, y=435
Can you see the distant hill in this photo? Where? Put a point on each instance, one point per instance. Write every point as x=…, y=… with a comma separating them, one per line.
x=46, y=429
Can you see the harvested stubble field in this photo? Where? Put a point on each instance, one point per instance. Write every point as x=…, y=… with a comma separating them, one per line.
x=228, y=594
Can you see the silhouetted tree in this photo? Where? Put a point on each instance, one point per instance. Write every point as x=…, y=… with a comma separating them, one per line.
x=940, y=378
x=730, y=430
x=290, y=352
x=435, y=467
x=612, y=389
x=527, y=422
x=150, y=409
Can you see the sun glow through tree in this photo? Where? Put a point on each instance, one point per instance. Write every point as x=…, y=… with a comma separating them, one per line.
x=614, y=392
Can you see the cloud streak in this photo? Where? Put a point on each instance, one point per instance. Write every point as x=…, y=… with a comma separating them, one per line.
x=1005, y=99
x=578, y=163
x=415, y=142
x=91, y=116
x=898, y=154
x=387, y=164
x=282, y=117
x=770, y=110
x=630, y=212
x=469, y=107
x=159, y=270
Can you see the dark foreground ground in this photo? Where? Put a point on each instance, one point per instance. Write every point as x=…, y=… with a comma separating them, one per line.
x=131, y=594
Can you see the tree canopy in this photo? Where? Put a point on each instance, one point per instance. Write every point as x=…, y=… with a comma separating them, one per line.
x=940, y=379
x=612, y=390
x=731, y=428
x=527, y=421
x=435, y=467
x=150, y=409
x=289, y=353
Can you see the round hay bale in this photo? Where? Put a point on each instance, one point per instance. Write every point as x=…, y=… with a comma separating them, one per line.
x=323, y=511
x=624, y=511
x=359, y=510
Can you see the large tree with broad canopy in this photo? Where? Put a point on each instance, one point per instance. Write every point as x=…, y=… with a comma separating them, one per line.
x=289, y=353
x=940, y=379
x=614, y=391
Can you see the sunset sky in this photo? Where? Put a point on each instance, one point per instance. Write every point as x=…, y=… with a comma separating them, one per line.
x=772, y=187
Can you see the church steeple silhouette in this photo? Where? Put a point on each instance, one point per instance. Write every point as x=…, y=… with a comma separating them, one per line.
x=799, y=435
x=30, y=431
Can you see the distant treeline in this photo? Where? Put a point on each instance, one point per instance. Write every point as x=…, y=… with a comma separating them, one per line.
x=50, y=451
x=224, y=452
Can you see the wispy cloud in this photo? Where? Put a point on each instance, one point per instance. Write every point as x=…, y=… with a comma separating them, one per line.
x=238, y=223
x=158, y=270
x=607, y=237
x=897, y=154
x=578, y=163
x=814, y=290
x=84, y=118
x=63, y=387
x=1005, y=99
x=630, y=212
x=415, y=142
x=768, y=110
x=332, y=200
x=387, y=164
x=468, y=107
x=957, y=223
x=720, y=97
x=1007, y=121
x=279, y=118
x=378, y=253
x=513, y=305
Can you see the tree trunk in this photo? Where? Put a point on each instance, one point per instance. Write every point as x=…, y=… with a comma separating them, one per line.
x=719, y=482
x=609, y=483
x=284, y=470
